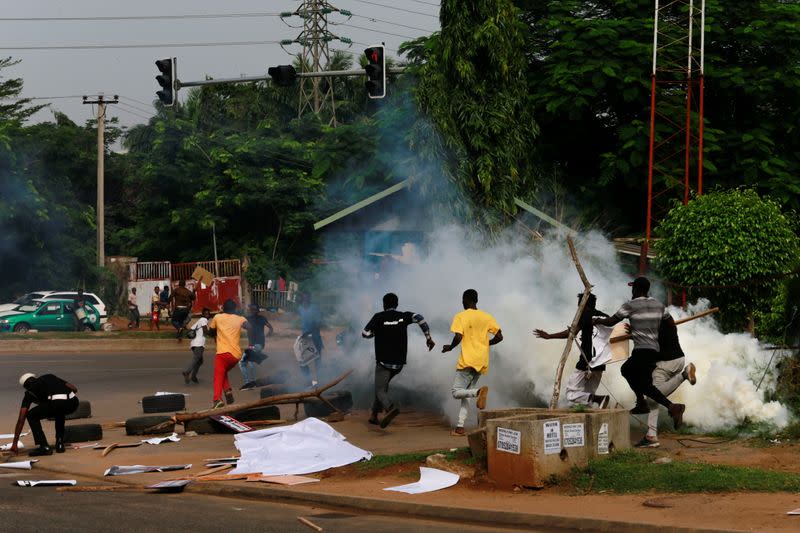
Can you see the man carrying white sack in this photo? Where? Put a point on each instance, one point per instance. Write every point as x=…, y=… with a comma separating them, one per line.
x=583, y=382
x=670, y=372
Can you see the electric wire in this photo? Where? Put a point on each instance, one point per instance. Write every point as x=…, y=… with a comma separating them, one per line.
x=154, y=45
x=397, y=8
x=140, y=17
x=382, y=32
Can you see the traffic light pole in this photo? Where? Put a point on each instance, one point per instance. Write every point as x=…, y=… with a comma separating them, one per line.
x=322, y=74
x=101, y=152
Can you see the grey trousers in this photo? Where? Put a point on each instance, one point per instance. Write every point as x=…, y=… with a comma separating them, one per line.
x=464, y=388
x=197, y=361
x=383, y=376
x=667, y=377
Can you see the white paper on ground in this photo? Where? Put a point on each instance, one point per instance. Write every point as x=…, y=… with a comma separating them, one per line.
x=142, y=469
x=19, y=464
x=172, y=484
x=162, y=393
x=430, y=479
x=6, y=447
x=794, y=512
x=158, y=440
x=11, y=435
x=46, y=482
x=303, y=448
x=81, y=446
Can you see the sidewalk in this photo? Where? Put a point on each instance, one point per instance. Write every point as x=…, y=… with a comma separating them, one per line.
x=467, y=501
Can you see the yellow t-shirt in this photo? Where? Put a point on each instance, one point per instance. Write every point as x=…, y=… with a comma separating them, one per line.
x=229, y=331
x=474, y=326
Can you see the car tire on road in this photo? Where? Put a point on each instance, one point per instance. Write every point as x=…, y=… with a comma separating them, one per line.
x=166, y=403
x=267, y=412
x=84, y=410
x=140, y=425
x=205, y=426
x=343, y=400
x=83, y=433
x=22, y=327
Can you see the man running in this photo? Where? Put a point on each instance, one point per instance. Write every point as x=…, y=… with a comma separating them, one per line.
x=582, y=384
x=670, y=372
x=228, y=326
x=390, y=330
x=471, y=329
x=54, y=398
x=181, y=299
x=198, y=346
x=645, y=315
x=254, y=354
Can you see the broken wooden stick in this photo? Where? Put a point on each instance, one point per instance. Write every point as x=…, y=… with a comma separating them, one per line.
x=309, y=523
x=573, y=328
x=182, y=418
x=620, y=338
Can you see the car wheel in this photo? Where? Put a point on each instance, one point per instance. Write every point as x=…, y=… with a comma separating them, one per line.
x=88, y=327
x=166, y=403
x=141, y=425
x=22, y=327
x=83, y=433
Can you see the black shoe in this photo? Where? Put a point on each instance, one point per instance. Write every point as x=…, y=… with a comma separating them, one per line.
x=393, y=412
x=229, y=397
x=676, y=413
x=640, y=409
x=248, y=386
x=59, y=446
x=41, y=450
x=194, y=379
x=186, y=377
x=373, y=420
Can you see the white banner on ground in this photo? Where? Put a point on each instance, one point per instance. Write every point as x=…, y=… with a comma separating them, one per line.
x=24, y=465
x=303, y=448
x=430, y=479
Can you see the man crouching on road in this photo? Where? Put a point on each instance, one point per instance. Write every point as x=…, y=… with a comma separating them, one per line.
x=390, y=329
x=471, y=329
x=53, y=397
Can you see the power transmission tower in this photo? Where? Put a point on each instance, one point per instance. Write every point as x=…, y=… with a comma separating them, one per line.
x=101, y=152
x=316, y=94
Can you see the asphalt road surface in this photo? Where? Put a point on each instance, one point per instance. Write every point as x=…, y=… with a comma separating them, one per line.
x=43, y=509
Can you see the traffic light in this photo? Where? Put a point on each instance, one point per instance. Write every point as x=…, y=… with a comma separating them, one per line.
x=376, y=71
x=282, y=75
x=168, y=80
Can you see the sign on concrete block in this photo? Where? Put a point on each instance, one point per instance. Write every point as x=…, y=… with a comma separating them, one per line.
x=508, y=440
x=602, y=439
x=552, y=436
x=574, y=436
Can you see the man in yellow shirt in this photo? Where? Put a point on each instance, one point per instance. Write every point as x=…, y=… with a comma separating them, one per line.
x=228, y=327
x=471, y=328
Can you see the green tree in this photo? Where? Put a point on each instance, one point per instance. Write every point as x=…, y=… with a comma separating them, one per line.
x=472, y=87
x=734, y=247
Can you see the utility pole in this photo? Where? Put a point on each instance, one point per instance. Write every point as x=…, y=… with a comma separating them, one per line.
x=316, y=94
x=101, y=152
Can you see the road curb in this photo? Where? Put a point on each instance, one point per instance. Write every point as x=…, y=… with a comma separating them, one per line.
x=439, y=512
x=91, y=345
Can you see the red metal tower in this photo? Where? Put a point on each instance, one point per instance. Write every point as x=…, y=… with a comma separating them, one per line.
x=676, y=109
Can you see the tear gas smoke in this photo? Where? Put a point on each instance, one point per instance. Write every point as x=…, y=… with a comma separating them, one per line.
x=534, y=285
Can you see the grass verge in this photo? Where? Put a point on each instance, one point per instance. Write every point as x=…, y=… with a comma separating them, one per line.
x=634, y=471
x=379, y=462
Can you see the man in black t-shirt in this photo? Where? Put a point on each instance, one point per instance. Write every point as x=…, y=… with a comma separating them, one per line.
x=582, y=384
x=257, y=341
x=390, y=330
x=54, y=398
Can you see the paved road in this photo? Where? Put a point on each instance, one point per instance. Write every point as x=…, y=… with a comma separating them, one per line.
x=116, y=381
x=43, y=509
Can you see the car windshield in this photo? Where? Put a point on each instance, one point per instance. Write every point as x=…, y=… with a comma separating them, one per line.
x=27, y=308
x=27, y=299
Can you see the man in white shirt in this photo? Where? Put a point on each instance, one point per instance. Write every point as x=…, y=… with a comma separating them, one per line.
x=198, y=346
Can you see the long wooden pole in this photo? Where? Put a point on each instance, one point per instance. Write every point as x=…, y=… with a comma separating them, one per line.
x=620, y=338
x=573, y=328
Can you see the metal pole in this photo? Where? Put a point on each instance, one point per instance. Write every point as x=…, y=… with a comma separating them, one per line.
x=688, y=146
x=214, y=238
x=646, y=244
x=702, y=89
x=101, y=150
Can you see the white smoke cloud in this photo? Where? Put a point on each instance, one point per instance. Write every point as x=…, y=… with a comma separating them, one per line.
x=528, y=285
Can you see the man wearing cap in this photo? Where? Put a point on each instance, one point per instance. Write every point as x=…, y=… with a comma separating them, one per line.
x=644, y=315
x=54, y=398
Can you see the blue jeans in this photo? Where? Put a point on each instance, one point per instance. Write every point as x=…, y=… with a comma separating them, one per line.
x=248, y=368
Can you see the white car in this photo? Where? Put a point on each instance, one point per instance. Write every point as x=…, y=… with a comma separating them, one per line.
x=24, y=300
x=91, y=297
